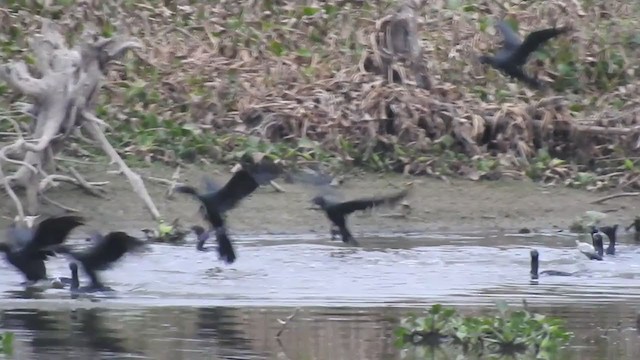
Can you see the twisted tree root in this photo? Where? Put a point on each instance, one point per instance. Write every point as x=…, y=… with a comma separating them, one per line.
x=63, y=99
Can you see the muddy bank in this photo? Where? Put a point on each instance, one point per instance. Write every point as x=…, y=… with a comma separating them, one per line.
x=436, y=205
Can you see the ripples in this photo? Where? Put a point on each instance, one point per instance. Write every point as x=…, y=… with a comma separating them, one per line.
x=389, y=269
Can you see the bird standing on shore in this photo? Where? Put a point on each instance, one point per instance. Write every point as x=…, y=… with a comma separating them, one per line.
x=515, y=52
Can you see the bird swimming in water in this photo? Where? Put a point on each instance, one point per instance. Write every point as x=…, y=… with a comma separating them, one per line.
x=610, y=232
x=534, y=268
x=103, y=253
x=337, y=211
x=201, y=236
x=27, y=249
x=515, y=52
x=595, y=251
x=218, y=200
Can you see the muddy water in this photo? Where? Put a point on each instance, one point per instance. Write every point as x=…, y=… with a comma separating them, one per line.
x=176, y=303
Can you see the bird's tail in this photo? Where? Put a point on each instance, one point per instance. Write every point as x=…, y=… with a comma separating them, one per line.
x=225, y=248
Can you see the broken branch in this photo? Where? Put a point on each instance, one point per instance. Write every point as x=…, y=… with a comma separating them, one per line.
x=614, y=196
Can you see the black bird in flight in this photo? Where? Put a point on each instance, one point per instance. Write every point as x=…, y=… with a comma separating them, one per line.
x=102, y=254
x=515, y=52
x=27, y=249
x=337, y=211
x=217, y=201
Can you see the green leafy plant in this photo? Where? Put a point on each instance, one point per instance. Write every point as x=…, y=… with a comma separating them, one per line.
x=508, y=332
x=6, y=343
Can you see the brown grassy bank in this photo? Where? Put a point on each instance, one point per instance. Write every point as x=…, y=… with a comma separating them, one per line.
x=292, y=80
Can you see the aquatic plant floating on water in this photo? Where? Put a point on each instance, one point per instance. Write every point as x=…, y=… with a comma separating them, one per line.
x=509, y=332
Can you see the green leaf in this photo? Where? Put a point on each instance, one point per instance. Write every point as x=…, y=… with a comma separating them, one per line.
x=628, y=164
x=310, y=11
x=277, y=48
x=502, y=306
x=7, y=342
x=304, y=53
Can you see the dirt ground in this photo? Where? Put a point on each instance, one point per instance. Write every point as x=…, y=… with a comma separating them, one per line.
x=435, y=204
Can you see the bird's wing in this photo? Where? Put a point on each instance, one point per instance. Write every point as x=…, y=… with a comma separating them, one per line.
x=110, y=249
x=263, y=172
x=310, y=177
x=53, y=231
x=210, y=186
x=533, y=41
x=348, y=207
x=241, y=185
x=519, y=74
x=18, y=236
x=319, y=181
x=511, y=39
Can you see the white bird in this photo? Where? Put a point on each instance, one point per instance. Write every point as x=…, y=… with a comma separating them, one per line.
x=589, y=250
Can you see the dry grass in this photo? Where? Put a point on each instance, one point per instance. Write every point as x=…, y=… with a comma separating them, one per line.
x=302, y=82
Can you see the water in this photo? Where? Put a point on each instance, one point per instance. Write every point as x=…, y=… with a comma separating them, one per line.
x=176, y=303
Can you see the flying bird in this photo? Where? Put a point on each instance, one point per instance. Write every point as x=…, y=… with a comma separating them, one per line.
x=218, y=200
x=27, y=249
x=337, y=211
x=102, y=254
x=514, y=53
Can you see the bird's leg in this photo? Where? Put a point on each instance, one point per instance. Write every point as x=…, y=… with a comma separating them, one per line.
x=335, y=232
x=347, y=237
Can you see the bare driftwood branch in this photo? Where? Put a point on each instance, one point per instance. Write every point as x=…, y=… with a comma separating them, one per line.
x=399, y=42
x=134, y=179
x=286, y=321
x=63, y=99
x=614, y=196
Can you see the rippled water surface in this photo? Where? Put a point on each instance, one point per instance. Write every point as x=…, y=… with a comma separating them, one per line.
x=177, y=303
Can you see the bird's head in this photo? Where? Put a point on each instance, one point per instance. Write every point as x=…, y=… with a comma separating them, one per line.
x=534, y=254
x=534, y=264
x=319, y=201
x=197, y=229
x=73, y=267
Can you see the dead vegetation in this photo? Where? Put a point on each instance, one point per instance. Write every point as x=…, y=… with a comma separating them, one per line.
x=388, y=85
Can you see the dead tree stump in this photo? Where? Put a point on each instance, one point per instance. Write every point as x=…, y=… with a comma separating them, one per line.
x=63, y=98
